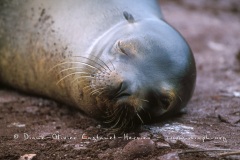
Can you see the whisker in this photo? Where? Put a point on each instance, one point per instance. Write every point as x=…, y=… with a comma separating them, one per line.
x=95, y=61
x=105, y=100
x=96, y=90
x=118, y=119
x=71, y=75
x=91, y=60
x=101, y=61
x=122, y=126
x=89, y=89
x=141, y=107
x=111, y=119
x=146, y=112
x=95, y=93
x=125, y=120
x=113, y=114
x=179, y=98
x=149, y=115
x=70, y=69
x=89, y=77
x=101, y=92
x=139, y=117
x=86, y=87
x=84, y=79
x=131, y=124
x=144, y=100
x=92, y=77
x=75, y=62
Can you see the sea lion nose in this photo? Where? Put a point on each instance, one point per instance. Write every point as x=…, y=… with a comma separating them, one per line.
x=160, y=102
x=122, y=90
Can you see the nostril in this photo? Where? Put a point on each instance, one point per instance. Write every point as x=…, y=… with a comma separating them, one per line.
x=158, y=99
x=124, y=86
x=121, y=95
x=122, y=90
x=165, y=103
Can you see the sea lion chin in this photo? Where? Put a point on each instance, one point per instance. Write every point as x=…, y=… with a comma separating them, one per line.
x=132, y=69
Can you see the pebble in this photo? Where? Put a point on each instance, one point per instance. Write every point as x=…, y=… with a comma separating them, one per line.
x=161, y=145
x=27, y=157
x=7, y=99
x=79, y=147
x=139, y=147
x=17, y=124
x=169, y=156
x=32, y=109
x=145, y=135
x=106, y=154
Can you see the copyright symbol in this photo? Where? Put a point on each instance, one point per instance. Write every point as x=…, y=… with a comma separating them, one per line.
x=15, y=136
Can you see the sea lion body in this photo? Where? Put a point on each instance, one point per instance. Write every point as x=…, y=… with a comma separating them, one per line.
x=102, y=57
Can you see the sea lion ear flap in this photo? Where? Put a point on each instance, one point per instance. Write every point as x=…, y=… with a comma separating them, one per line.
x=128, y=17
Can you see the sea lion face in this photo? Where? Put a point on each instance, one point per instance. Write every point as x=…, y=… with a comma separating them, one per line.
x=145, y=70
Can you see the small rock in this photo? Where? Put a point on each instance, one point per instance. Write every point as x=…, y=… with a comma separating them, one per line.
x=17, y=124
x=236, y=94
x=79, y=147
x=216, y=46
x=32, y=109
x=238, y=56
x=58, y=127
x=102, y=156
x=106, y=154
x=98, y=126
x=109, y=152
x=169, y=156
x=139, y=147
x=113, y=144
x=145, y=135
x=7, y=99
x=161, y=145
x=27, y=157
x=223, y=119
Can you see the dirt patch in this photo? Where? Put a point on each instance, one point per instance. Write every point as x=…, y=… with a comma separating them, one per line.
x=48, y=130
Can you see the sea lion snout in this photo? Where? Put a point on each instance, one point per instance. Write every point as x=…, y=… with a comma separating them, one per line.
x=108, y=81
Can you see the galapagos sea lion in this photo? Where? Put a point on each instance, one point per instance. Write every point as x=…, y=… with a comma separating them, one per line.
x=116, y=60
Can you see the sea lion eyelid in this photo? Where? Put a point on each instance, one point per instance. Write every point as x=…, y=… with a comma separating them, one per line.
x=121, y=48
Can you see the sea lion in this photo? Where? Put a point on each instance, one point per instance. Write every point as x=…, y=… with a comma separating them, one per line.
x=118, y=61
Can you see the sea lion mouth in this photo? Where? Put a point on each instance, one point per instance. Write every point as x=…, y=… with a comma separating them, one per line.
x=118, y=111
x=127, y=112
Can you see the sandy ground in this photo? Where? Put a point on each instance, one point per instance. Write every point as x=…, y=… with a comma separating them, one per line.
x=37, y=128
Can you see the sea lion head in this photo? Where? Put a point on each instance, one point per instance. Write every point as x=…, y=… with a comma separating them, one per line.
x=140, y=71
